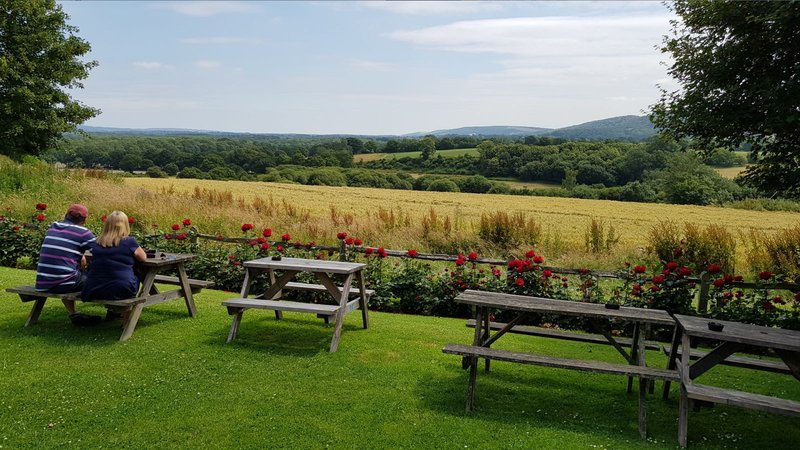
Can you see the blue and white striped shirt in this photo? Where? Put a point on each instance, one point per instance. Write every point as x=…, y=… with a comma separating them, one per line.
x=60, y=257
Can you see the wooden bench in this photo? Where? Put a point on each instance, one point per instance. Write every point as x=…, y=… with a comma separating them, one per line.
x=737, y=361
x=195, y=284
x=237, y=306
x=642, y=372
x=318, y=288
x=561, y=334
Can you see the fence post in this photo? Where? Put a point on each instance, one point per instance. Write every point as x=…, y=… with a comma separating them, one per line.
x=702, y=302
x=342, y=250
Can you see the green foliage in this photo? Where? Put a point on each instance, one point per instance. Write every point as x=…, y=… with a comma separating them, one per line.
x=720, y=157
x=327, y=177
x=695, y=248
x=600, y=238
x=443, y=185
x=686, y=181
x=21, y=242
x=509, y=230
x=155, y=172
x=736, y=64
x=476, y=184
x=40, y=59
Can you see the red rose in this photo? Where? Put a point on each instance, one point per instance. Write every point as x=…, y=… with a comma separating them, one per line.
x=654, y=288
x=181, y=236
x=187, y=222
x=658, y=279
x=349, y=241
x=219, y=237
x=103, y=218
x=253, y=242
x=719, y=283
x=381, y=252
x=460, y=261
x=247, y=227
x=40, y=217
x=547, y=273
x=672, y=265
x=739, y=294
x=310, y=244
x=279, y=248
x=714, y=268
x=286, y=237
x=665, y=272
x=530, y=254
x=341, y=235
x=16, y=228
x=231, y=256
x=583, y=271
x=778, y=300
x=175, y=226
x=685, y=271
x=678, y=253
x=261, y=240
x=297, y=244
x=727, y=294
x=167, y=236
x=472, y=256
x=412, y=253
x=237, y=263
x=41, y=206
x=765, y=275
x=538, y=259
x=565, y=284
x=640, y=269
x=267, y=232
x=738, y=278
x=131, y=220
x=358, y=242
x=368, y=251
x=265, y=246
x=520, y=282
x=496, y=273
x=767, y=306
x=728, y=278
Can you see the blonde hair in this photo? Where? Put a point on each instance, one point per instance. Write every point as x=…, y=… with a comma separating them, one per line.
x=115, y=229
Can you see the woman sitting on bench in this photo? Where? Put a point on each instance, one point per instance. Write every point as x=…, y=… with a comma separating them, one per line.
x=111, y=275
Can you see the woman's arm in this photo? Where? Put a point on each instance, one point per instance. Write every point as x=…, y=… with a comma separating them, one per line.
x=139, y=254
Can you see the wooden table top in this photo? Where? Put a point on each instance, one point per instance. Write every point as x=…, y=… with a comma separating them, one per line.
x=167, y=260
x=305, y=265
x=743, y=333
x=567, y=307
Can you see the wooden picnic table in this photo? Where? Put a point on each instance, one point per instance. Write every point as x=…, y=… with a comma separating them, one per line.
x=148, y=295
x=283, y=271
x=733, y=338
x=598, y=315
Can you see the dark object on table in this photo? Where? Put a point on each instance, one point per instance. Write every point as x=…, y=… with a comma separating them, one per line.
x=276, y=258
x=612, y=305
x=83, y=320
x=150, y=253
x=715, y=326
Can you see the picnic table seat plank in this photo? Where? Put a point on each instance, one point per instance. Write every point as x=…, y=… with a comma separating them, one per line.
x=561, y=334
x=283, y=305
x=165, y=279
x=741, y=399
x=739, y=361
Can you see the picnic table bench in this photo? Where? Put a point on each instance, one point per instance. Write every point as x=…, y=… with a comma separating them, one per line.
x=599, y=315
x=734, y=337
x=130, y=308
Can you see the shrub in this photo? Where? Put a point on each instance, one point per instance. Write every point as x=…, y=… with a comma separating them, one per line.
x=778, y=253
x=443, y=185
x=598, y=238
x=697, y=247
x=191, y=172
x=155, y=172
x=327, y=177
x=504, y=230
x=476, y=184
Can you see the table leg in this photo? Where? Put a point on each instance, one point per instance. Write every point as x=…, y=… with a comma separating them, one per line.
x=643, y=382
x=237, y=319
x=148, y=283
x=187, y=290
x=634, y=352
x=792, y=360
x=247, y=284
x=485, y=337
x=36, y=311
x=683, y=407
x=337, y=332
x=673, y=357
x=279, y=293
x=130, y=319
x=363, y=302
x=473, y=360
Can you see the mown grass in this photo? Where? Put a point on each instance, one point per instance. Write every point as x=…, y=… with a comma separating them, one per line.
x=177, y=384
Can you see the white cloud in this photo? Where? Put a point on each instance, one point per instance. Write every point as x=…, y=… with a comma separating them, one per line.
x=208, y=9
x=220, y=40
x=207, y=64
x=150, y=65
x=433, y=7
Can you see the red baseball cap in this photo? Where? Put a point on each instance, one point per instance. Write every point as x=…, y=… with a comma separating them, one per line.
x=78, y=210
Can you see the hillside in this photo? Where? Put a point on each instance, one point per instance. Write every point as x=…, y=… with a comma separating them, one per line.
x=627, y=128
x=498, y=130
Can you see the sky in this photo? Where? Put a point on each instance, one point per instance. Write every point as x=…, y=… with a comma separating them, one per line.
x=369, y=67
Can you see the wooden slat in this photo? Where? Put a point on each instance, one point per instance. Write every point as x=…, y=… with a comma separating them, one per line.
x=563, y=363
x=737, y=361
x=561, y=334
x=294, y=285
x=30, y=292
x=742, y=333
x=743, y=399
x=281, y=305
x=306, y=265
x=164, y=279
x=565, y=307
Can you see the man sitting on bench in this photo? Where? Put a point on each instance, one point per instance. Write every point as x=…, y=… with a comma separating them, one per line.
x=61, y=259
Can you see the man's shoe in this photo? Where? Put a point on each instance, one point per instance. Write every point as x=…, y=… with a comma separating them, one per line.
x=84, y=320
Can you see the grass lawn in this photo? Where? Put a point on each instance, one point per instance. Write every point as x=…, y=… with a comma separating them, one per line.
x=177, y=384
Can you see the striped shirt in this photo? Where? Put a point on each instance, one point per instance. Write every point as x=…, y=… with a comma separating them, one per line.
x=60, y=257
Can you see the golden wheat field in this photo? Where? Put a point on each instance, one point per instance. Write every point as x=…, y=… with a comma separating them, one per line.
x=730, y=172
x=406, y=219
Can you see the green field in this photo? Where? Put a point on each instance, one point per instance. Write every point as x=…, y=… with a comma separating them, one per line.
x=177, y=384
x=444, y=154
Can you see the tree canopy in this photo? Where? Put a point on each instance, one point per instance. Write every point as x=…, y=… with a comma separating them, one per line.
x=738, y=66
x=40, y=59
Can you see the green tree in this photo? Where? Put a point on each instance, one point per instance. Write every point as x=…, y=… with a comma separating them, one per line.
x=40, y=58
x=737, y=64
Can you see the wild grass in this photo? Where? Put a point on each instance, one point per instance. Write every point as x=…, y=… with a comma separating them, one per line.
x=453, y=153
x=177, y=384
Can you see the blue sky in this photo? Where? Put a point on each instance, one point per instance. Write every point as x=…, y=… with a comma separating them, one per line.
x=368, y=67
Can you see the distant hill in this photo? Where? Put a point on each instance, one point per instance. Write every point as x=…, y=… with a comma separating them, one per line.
x=500, y=130
x=626, y=128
